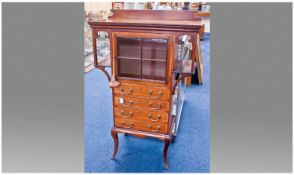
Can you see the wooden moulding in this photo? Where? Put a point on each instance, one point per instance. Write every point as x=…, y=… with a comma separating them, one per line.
x=202, y=14
x=142, y=134
x=156, y=15
x=148, y=25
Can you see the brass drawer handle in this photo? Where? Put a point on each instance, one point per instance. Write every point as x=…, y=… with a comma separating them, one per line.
x=158, y=128
x=154, y=120
x=127, y=93
x=159, y=106
x=154, y=97
x=125, y=116
x=124, y=126
x=127, y=105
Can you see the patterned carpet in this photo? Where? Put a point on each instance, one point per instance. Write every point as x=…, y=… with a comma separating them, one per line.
x=190, y=152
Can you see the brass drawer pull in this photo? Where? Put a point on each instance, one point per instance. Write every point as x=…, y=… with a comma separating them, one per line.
x=125, y=116
x=127, y=105
x=130, y=125
x=159, y=106
x=158, y=128
x=127, y=93
x=154, y=97
x=154, y=120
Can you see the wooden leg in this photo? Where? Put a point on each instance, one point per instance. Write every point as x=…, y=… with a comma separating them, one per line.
x=201, y=32
x=199, y=61
x=166, y=144
x=115, y=139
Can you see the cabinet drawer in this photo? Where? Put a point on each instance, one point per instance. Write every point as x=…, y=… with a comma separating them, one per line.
x=135, y=103
x=141, y=91
x=149, y=116
x=161, y=128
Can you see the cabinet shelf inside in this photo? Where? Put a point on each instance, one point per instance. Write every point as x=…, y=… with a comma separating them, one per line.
x=144, y=59
x=130, y=58
x=147, y=59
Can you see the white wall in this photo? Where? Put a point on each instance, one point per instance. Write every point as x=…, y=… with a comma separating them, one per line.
x=97, y=6
x=206, y=21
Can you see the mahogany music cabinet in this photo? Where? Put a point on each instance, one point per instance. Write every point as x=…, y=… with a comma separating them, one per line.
x=151, y=52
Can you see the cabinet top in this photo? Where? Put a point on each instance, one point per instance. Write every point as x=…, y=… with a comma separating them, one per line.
x=148, y=23
x=145, y=22
x=154, y=19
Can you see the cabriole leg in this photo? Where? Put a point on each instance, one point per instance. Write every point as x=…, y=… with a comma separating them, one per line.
x=115, y=139
x=166, y=144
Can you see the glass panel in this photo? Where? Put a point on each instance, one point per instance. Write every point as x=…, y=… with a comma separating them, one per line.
x=103, y=49
x=154, y=70
x=142, y=58
x=129, y=68
x=128, y=47
x=154, y=49
x=182, y=62
x=88, y=47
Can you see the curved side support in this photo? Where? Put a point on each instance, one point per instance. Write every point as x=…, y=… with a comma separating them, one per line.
x=181, y=77
x=97, y=33
x=104, y=71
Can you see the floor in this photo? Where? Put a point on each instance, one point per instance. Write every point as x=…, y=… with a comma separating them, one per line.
x=190, y=152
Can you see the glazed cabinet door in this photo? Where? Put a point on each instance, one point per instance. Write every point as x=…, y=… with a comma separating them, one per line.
x=128, y=57
x=142, y=56
x=154, y=59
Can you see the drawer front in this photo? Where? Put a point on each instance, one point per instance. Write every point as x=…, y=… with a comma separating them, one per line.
x=135, y=103
x=148, y=116
x=141, y=126
x=141, y=91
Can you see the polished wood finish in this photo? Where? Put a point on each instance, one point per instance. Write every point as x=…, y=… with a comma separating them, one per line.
x=155, y=14
x=141, y=134
x=166, y=144
x=137, y=103
x=145, y=83
x=144, y=115
x=199, y=59
x=142, y=105
x=142, y=91
x=115, y=139
x=172, y=25
x=155, y=127
x=202, y=14
x=201, y=32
